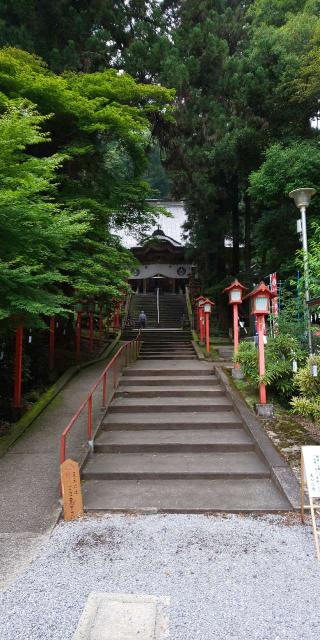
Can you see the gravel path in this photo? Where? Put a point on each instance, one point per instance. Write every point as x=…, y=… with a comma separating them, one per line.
x=228, y=578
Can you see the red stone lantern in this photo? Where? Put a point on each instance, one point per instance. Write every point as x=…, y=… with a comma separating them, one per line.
x=235, y=292
x=261, y=297
x=200, y=317
x=206, y=306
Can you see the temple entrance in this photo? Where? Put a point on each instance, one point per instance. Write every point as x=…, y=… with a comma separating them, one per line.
x=165, y=285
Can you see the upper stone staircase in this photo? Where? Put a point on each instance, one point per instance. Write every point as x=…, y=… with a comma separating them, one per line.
x=172, y=310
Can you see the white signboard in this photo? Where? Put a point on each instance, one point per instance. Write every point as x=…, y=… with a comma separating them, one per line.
x=311, y=459
x=310, y=476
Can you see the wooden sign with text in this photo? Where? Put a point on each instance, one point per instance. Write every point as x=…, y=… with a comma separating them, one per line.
x=310, y=481
x=71, y=490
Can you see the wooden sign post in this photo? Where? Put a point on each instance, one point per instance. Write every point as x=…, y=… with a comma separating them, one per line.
x=310, y=480
x=71, y=490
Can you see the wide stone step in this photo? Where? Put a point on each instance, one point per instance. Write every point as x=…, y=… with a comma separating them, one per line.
x=213, y=465
x=176, y=382
x=184, y=496
x=186, y=420
x=174, y=440
x=168, y=404
x=167, y=391
x=172, y=373
x=167, y=357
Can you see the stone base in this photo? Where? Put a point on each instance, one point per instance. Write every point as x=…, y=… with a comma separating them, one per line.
x=265, y=410
x=237, y=374
x=119, y=616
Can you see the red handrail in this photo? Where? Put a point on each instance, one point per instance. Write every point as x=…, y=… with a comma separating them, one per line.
x=129, y=351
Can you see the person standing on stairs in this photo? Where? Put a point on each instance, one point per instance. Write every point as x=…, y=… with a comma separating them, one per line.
x=142, y=320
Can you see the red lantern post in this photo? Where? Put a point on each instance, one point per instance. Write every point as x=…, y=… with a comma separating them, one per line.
x=206, y=308
x=200, y=318
x=235, y=292
x=261, y=297
x=18, y=368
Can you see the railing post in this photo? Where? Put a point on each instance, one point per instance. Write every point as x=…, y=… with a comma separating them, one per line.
x=104, y=390
x=90, y=440
x=62, y=449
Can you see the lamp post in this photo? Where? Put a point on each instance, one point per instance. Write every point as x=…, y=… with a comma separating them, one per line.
x=199, y=302
x=261, y=297
x=235, y=292
x=302, y=198
x=206, y=307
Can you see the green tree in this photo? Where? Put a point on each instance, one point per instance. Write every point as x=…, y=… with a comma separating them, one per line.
x=96, y=130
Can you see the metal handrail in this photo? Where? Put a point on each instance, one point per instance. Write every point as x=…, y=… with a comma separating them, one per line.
x=126, y=310
x=158, y=306
x=127, y=353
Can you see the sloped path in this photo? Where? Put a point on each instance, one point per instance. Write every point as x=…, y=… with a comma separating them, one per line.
x=29, y=475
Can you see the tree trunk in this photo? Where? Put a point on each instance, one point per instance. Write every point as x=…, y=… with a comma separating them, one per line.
x=235, y=225
x=247, y=234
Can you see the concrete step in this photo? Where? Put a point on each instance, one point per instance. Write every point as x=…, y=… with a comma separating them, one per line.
x=168, y=404
x=212, y=465
x=173, y=440
x=172, y=373
x=200, y=496
x=158, y=381
x=167, y=357
x=167, y=391
x=186, y=420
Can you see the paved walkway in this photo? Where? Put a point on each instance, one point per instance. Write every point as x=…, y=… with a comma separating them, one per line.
x=29, y=474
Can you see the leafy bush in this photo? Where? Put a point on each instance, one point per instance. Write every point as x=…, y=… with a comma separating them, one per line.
x=279, y=354
x=308, y=403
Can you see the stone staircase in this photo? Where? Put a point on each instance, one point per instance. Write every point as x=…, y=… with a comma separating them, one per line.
x=172, y=441
x=172, y=309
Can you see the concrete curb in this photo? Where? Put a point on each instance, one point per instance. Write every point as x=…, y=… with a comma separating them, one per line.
x=281, y=473
x=198, y=351
x=28, y=418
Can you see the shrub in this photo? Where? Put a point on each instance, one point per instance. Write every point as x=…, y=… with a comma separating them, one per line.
x=308, y=403
x=279, y=354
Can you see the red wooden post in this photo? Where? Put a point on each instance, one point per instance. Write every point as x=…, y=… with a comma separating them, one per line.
x=236, y=332
x=207, y=315
x=262, y=369
x=18, y=368
x=100, y=322
x=51, y=342
x=90, y=331
x=78, y=335
x=201, y=324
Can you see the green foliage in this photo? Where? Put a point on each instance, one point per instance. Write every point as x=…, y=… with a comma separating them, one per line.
x=73, y=154
x=279, y=354
x=307, y=403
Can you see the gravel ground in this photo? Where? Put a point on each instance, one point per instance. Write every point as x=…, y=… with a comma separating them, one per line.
x=231, y=577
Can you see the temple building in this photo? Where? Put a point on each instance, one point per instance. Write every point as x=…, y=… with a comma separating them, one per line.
x=163, y=265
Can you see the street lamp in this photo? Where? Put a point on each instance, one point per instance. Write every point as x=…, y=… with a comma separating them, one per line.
x=235, y=292
x=302, y=198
